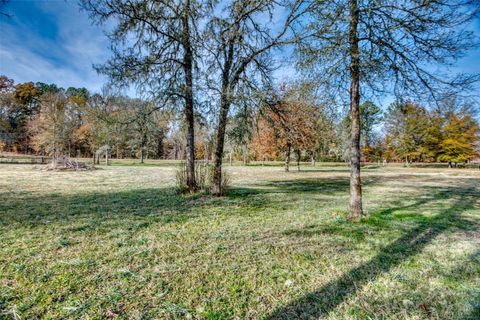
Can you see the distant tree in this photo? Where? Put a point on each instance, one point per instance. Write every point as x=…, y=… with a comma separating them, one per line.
x=433, y=135
x=83, y=139
x=386, y=45
x=47, y=88
x=19, y=105
x=241, y=130
x=7, y=104
x=203, y=142
x=370, y=116
x=6, y=84
x=460, y=135
x=326, y=138
x=407, y=125
x=294, y=120
x=265, y=143
x=49, y=128
x=143, y=126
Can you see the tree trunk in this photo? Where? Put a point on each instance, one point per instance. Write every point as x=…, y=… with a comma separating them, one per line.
x=142, y=156
x=230, y=155
x=298, y=160
x=450, y=164
x=244, y=154
x=287, y=158
x=227, y=85
x=314, y=158
x=189, y=115
x=160, y=145
x=355, y=181
x=222, y=123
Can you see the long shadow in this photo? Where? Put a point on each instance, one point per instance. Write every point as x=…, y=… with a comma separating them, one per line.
x=28, y=209
x=323, y=185
x=152, y=204
x=321, y=302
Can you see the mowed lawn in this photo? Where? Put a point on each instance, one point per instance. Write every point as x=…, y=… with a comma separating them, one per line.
x=120, y=243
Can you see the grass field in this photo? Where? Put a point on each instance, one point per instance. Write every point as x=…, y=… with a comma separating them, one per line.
x=120, y=243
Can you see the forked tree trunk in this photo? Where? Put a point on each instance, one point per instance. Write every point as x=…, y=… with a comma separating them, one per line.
x=287, y=158
x=355, y=206
x=189, y=116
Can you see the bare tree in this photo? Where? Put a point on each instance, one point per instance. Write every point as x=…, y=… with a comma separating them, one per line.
x=154, y=46
x=240, y=38
x=365, y=47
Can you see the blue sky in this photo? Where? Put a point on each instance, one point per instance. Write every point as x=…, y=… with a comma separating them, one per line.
x=53, y=41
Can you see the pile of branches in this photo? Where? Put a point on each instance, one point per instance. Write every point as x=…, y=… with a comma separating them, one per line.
x=65, y=163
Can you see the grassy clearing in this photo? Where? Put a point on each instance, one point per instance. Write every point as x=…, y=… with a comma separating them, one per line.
x=118, y=242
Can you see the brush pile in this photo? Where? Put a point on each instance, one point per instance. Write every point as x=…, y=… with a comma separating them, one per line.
x=65, y=163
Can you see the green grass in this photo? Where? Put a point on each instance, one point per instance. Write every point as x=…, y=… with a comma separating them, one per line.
x=119, y=242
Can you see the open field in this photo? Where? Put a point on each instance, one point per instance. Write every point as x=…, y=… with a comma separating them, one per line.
x=119, y=243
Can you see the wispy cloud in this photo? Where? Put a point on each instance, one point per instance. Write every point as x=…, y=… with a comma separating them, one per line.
x=58, y=46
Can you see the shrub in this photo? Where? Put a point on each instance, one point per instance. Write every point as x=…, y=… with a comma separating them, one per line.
x=203, y=177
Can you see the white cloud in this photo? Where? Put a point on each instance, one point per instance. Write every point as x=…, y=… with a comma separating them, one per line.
x=65, y=60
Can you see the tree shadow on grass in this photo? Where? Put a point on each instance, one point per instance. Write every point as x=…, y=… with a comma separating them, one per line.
x=321, y=185
x=153, y=205
x=55, y=208
x=321, y=302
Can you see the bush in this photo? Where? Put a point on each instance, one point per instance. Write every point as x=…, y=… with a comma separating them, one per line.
x=203, y=177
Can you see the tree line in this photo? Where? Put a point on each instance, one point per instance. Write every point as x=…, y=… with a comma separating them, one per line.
x=45, y=119
x=213, y=62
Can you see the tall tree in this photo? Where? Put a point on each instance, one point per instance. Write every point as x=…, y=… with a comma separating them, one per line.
x=359, y=45
x=240, y=38
x=161, y=57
